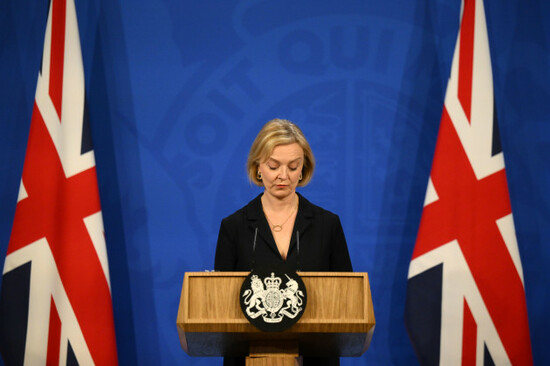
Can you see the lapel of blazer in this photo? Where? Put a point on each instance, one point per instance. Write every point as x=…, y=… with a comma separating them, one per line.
x=256, y=219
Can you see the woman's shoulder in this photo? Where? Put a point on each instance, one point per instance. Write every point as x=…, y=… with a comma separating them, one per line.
x=250, y=210
x=315, y=210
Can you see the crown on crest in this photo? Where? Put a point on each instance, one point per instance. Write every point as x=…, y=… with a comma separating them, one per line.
x=272, y=282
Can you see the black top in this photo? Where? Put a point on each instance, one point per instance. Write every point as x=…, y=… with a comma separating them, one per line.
x=322, y=248
x=322, y=244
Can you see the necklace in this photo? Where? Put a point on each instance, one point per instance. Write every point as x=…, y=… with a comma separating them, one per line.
x=277, y=228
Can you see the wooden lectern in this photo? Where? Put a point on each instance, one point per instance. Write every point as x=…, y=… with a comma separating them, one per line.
x=338, y=319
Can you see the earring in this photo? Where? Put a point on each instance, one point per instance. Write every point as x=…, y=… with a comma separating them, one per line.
x=259, y=175
x=300, y=176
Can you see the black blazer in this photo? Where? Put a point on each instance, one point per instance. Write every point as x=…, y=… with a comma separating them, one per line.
x=318, y=242
x=322, y=247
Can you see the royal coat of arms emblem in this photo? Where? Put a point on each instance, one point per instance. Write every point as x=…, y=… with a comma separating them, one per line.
x=271, y=305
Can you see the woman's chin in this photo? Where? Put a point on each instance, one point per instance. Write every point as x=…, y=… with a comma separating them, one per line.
x=282, y=193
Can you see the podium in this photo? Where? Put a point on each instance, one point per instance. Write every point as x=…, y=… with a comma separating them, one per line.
x=338, y=319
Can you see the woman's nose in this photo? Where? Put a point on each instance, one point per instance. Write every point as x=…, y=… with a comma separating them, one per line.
x=283, y=173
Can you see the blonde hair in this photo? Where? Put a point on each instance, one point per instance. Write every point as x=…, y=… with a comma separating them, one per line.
x=274, y=133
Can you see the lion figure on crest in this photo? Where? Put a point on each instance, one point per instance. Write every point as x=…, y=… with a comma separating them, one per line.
x=253, y=298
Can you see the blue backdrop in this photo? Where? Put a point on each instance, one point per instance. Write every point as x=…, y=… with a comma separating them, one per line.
x=177, y=91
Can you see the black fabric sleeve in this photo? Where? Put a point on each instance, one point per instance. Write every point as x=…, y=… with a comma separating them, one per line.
x=339, y=256
x=226, y=251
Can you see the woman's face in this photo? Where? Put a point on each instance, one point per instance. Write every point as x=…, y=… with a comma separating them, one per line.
x=282, y=170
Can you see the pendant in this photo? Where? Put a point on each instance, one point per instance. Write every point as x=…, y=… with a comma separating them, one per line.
x=277, y=228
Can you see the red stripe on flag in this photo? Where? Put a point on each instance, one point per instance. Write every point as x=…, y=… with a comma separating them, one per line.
x=54, y=209
x=466, y=206
x=466, y=57
x=467, y=210
x=469, y=337
x=54, y=337
x=57, y=55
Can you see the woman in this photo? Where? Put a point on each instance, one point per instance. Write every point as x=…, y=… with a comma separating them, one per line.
x=280, y=227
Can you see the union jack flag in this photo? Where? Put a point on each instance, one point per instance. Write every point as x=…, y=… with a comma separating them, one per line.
x=55, y=306
x=465, y=295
